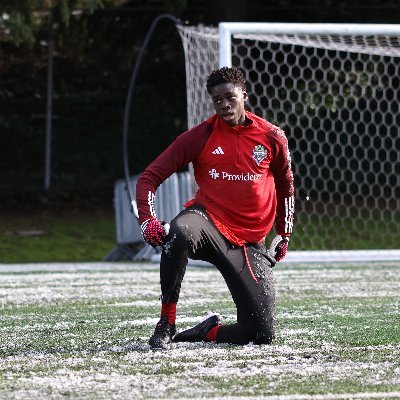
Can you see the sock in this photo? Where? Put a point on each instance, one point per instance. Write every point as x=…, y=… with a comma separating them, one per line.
x=212, y=334
x=169, y=310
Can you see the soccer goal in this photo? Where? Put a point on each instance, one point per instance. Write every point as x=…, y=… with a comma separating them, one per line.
x=335, y=90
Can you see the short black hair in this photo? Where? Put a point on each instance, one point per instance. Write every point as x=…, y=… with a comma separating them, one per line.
x=226, y=75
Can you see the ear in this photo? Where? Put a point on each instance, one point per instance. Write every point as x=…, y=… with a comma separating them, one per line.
x=245, y=95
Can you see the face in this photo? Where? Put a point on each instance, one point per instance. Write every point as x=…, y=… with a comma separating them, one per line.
x=228, y=100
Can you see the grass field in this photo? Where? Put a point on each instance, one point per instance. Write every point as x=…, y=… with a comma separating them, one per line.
x=67, y=234
x=57, y=236
x=80, y=331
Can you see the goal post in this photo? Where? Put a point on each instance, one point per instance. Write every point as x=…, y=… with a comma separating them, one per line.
x=335, y=90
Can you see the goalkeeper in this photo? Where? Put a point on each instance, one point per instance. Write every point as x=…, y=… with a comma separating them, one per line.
x=245, y=184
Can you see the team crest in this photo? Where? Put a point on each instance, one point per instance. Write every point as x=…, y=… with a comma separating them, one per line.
x=259, y=153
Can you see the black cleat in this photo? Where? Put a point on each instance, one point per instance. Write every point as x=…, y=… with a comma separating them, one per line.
x=163, y=334
x=199, y=332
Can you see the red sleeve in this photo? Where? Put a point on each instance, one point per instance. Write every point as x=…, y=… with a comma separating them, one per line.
x=283, y=176
x=185, y=149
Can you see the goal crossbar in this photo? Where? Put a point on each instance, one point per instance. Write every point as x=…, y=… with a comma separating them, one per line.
x=227, y=29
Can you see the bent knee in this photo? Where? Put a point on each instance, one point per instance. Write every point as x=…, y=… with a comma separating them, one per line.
x=180, y=229
x=262, y=335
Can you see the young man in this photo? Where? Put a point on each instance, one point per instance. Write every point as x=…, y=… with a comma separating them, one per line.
x=242, y=167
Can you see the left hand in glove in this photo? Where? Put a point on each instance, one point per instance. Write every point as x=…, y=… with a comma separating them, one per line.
x=279, y=247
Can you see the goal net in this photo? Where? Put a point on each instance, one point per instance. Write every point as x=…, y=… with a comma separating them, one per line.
x=335, y=90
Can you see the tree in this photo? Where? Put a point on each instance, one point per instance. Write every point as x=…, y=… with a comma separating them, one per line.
x=20, y=21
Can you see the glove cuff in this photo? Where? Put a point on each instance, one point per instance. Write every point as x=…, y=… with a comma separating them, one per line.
x=284, y=236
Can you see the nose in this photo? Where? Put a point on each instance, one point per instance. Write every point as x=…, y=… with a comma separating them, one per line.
x=225, y=105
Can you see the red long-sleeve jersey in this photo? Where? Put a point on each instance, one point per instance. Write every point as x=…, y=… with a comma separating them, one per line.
x=243, y=173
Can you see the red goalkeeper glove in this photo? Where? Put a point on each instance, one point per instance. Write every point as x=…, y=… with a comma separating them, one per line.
x=279, y=247
x=154, y=231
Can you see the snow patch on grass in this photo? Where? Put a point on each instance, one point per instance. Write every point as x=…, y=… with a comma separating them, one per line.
x=81, y=331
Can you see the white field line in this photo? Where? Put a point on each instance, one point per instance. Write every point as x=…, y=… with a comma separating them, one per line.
x=323, y=256
x=344, y=396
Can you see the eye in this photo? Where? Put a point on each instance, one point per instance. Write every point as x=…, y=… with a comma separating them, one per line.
x=217, y=101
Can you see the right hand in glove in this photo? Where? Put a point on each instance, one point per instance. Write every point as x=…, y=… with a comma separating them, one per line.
x=154, y=231
x=279, y=247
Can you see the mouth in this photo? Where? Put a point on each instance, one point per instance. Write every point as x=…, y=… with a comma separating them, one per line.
x=228, y=116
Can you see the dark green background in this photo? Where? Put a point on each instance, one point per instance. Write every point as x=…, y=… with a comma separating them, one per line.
x=94, y=56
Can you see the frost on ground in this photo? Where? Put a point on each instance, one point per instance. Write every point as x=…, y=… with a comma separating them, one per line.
x=81, y=331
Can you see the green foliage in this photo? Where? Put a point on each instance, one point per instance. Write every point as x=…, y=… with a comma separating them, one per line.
x=92, y=65
x=19, y=28
x=175, y=6
x=21, y=21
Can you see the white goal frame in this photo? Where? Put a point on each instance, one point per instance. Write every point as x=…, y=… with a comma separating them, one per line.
x=227, y=29
x=220, y=42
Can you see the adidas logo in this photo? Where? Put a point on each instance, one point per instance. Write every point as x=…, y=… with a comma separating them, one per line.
x=218, y=150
